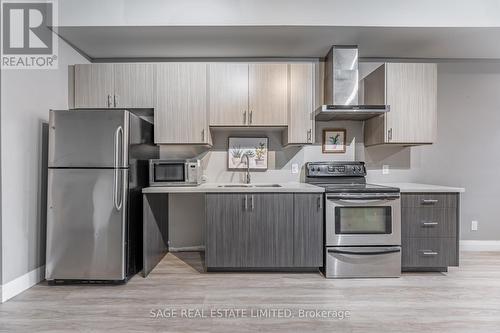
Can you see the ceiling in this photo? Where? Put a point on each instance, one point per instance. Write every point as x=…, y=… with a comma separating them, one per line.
x=132, y=42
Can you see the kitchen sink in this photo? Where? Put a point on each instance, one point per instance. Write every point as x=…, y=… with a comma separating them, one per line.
x=249, y=185
x=236, y=185
x=268, y=185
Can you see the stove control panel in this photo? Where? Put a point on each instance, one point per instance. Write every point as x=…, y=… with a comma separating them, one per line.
x=335, y=169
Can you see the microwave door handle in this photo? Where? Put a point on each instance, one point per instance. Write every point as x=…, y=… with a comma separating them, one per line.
x=365, y=252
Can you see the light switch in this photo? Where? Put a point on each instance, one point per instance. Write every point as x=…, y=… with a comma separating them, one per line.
x=473, y=226
x=295, y=168
x=385, y=169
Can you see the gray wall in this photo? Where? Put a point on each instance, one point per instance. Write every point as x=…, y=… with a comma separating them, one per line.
x=27, y=96
x=468, y=135
x=467, y=152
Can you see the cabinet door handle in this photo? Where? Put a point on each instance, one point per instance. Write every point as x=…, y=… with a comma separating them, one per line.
x=245, y=202
x=429, y=201
x=251, y=203
x=109, y=100
x=429, y=253
x=203, y=135
x=115, y=100
x=245, y=117
x=309, y=135
x=320, y=205
x=389, y=134
x=429, y=224
x=250, y=118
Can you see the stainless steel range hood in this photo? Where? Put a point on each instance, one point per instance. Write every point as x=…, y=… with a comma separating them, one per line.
x=341, y=88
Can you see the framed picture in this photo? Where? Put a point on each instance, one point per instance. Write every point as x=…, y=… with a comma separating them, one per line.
x=255, y=148
x=334, y=140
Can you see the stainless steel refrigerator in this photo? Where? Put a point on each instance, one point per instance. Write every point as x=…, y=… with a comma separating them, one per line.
x=98, y=165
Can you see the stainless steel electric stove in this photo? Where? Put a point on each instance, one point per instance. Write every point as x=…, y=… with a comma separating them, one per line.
x=362, y=222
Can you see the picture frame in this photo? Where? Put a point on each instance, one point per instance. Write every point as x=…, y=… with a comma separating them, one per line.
x=334, y=140
x=257, y=149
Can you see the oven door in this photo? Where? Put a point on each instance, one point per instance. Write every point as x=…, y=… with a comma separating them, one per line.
x=363, y=219
x=167, y=173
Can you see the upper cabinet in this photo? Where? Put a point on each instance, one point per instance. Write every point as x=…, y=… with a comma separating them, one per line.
x=411, y=92
x=267, y=91
x=134, y=85
x=228, y=94
x=190, y=97
x=94, y=86
x=181, y=104
x=248, y=94
x=114, y=86
x=300, y=104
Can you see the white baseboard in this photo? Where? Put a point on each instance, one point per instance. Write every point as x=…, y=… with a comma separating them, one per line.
x=479, y=245
x=26, y=281
x=186, y=248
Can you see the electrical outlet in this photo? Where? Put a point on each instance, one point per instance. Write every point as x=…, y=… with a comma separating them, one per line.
x=385, y=169
x=295, y=168
x=473, y=225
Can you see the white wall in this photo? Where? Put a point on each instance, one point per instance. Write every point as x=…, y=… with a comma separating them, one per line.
x=387, y=13
x=27, y=96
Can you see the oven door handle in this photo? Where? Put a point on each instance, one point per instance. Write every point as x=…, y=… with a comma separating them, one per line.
x=365, y=252
x=362, y=198
x=361, y=201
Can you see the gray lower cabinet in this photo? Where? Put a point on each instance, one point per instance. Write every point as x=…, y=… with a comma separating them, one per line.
x=429, y=230
x=260, y=230
x=308, y=230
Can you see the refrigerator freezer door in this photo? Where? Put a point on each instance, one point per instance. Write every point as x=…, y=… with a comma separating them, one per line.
x=89, y=138
x=86, y=222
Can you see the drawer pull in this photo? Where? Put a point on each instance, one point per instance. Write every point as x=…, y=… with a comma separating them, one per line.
x=430, y=253
x=429, y=224
x=429, y=201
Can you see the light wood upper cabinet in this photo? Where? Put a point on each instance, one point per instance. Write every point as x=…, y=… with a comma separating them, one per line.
x=411, y=92
x=181, y=104
x=268, y=87
x=94, y=86
x=114, y=86
x=301, y=100
x=134, y=85
x=228, y=84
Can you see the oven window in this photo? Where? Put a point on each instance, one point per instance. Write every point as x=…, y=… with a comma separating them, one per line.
x=363, y=220
x=173, y=172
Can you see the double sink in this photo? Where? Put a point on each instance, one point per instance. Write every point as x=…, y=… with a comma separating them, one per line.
x=249, y=185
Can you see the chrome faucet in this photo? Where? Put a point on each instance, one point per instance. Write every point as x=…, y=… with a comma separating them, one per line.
x=247, y=177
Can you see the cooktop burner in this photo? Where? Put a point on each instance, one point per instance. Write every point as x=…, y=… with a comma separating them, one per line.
x=343, y=177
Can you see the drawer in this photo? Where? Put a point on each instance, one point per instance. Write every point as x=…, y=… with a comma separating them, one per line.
x=429, y=252
x=438, y=200
x=356, y=262
x=428, y=222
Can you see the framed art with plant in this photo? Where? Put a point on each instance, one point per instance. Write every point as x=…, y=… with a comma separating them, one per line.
x=255, y=148
x=334, y=140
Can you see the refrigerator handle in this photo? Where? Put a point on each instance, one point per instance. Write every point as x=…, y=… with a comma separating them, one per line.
x=117, y=197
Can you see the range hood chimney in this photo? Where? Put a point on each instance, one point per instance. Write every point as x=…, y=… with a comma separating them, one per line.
x=341, y=88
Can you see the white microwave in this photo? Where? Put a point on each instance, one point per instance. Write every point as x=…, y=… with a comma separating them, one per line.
x=174, y=172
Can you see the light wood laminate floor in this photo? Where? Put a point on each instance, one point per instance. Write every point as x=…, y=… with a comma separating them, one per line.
x=466, y=299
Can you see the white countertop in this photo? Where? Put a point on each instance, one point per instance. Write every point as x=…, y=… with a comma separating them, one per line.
x=416, y=187
x=218, y=188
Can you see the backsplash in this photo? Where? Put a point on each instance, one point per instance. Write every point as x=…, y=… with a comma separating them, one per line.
x=281, y=159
